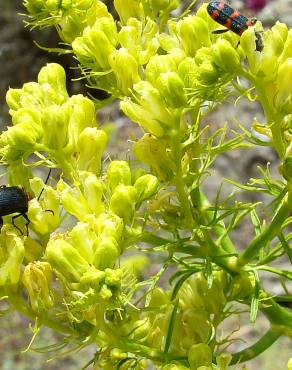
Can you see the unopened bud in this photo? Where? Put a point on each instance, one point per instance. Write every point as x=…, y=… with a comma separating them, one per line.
x=123, y=201
x=225, y=56
x=118, y=173
x=66, y=259
x=146, y=186
x=91, y=144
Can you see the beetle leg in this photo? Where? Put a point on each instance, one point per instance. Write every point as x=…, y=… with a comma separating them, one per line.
x=24, y=215
x=27, y=222
x=1, y=222
x=13, y=223
x=47, y=179
x=218, y=32
x=50, y=210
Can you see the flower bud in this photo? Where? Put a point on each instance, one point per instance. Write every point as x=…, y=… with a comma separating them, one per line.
x=171, y=88
x=284, y=83
x=141, y=330
x=105, y=293
x=37, y=279
x=140, y=40
x=92, y=190
x=26, y=131
x=223, y=360
x=73, y=200
x=125, y=68
x=159, y=5
x=194, y=34
x=55, y=124
x=243, y=285
x=66, y=259
x=154, y=153
x=248, y=45
x=208, y=74
x=204, y=55
x=142, y=116
x=113, y=277
x=118, y=173
x=225, y=56
x=158, y=298
x=90, y=146
x=93, y=277
x=86, y=4
x=129, y=9
x=146, y=186
x=84, y=240
x=53, y=5
x=159, y=64
x=44, y=213
x=200, y=355
x=87, y=47
x=43, y=221
x=123, y=201
x=287, y=50
x=108, y=225
x=13, y=97
x=151, y=100
x=186, y=71
x=106, y=253
x=277, y=38
x=82, y=115
x=167, y=42
x=54, y=75
x=11, y=256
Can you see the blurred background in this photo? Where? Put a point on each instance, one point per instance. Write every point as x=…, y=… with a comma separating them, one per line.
x=20, y=62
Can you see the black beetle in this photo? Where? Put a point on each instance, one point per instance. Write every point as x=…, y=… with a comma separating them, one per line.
x=14, y=199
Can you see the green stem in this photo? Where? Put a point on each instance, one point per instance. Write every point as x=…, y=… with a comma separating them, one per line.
x=148, y=352
x=280, y=317
x=273, y=119
x=219, y=228
x=255, y=350
x=267, y=235
x=178, y=180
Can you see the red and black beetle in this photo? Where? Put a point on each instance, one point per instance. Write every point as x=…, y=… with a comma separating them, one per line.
x=230, y=18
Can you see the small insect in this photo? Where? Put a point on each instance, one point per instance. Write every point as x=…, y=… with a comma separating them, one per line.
x=232, y=19
x=14, y=199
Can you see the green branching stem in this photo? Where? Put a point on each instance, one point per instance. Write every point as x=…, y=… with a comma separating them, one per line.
x=255, y=350
x=274, y=119
x=219, y=228
x=155, y=355
x=178, y=180
x=268, y=234
x=280, y=317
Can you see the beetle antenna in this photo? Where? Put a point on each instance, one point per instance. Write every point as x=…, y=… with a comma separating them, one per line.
x=47, y=179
